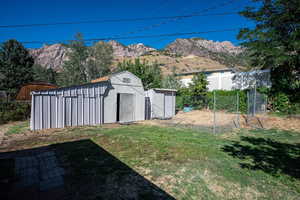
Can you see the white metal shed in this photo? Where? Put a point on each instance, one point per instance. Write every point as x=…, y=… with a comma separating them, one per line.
x=162, y=103
x=116, y=98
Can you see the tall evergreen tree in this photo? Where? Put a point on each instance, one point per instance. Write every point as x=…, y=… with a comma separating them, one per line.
x=74, y=69
x=85, y=63
x=42, y=74
x=15, y=66
x=101, y=57
x=274, y=43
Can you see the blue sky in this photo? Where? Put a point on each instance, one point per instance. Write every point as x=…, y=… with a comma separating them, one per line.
x=49, y=11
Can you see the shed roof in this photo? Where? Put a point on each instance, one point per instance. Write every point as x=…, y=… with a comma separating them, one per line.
x=107, y=78
x=40, y=83
x=100, y=79
x=205, y=71
x=165, y=89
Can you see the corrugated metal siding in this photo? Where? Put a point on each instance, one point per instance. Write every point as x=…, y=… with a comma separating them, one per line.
x=74, y=106
x=163, y=103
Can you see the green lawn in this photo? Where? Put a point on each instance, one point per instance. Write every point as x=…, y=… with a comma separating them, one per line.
x=184, y=164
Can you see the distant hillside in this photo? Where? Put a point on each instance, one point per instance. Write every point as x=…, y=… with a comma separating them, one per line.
x=182, y=55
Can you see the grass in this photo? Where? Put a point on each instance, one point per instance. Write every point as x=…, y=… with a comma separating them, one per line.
x=182, y=163
x=17, y=128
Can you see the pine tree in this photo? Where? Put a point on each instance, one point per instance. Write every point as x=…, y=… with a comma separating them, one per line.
x=74, y=69
x=15, y=66
x=101, y=57
x=274, y=43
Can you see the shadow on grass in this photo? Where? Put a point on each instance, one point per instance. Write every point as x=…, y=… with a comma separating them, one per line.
x=93, y=173
x=270, y=156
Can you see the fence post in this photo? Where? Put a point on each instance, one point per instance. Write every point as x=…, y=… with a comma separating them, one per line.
x=214, y=127
x=254, y=100
x=238, y=109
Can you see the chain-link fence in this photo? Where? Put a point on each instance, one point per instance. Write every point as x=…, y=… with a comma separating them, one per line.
x=216, y=112
x=256, y=106
x=221, y=111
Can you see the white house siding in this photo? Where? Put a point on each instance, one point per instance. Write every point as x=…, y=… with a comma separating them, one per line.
x=229, y=80
x=220, y=80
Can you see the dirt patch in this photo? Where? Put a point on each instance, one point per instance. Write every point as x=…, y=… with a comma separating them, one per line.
x=205, y=119
x=202, y=119
x=283, y=123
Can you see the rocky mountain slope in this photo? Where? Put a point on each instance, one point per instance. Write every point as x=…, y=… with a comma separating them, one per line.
x=201, y=47
x=181, y=55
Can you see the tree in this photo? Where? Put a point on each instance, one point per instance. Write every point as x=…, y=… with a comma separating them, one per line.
x=149, y=73
x=42, y=74
x=101, y=60
x=198, y=89
x=275, y=42
x=74, y=69
x=85, y=63
x=171, y=81
x=15, y=66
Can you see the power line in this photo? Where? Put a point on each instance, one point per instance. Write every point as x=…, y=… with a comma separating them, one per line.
x=116, y=20
x=137, y=37
x=146, y=28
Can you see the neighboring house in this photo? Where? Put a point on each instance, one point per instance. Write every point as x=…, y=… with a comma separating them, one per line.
x=258, y=78
x=25, y=92
x=219, y=79
x=229, y=79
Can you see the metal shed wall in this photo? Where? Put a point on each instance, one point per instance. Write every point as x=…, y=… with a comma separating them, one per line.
x=132, y=85
x=71, y=106
x=89, y=104
x=163, y=103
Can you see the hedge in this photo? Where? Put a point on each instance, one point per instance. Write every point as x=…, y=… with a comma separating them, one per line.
x=14, y=111
x=225, y=100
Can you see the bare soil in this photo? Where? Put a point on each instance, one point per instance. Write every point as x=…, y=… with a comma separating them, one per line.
x=205, y=118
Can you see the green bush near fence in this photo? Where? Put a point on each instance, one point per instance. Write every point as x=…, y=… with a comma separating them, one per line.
x=225, y=100
x=14, y=111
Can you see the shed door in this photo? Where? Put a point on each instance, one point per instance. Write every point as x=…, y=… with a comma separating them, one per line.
x=126, y=106
x=169, y=105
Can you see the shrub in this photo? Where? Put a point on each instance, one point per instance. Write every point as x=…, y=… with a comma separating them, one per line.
x=226, y=100
x=280, y=102
x=14, y=111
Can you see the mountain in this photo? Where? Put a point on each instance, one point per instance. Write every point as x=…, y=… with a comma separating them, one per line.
x=223, y=52
x=50, y=56
x=202, y=47
x=182, y=55
x=133, y=50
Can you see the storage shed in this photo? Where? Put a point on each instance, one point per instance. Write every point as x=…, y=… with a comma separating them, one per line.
x=116, y=98
x=161, y=103
x=24, y=93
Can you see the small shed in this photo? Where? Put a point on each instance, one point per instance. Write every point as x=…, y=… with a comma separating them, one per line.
x=115, y=98
x=161, y=103
x=24, y=93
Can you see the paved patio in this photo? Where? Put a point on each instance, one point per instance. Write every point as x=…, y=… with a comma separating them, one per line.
x=37, y=176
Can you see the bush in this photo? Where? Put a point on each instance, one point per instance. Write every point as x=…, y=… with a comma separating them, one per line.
x=225, y=100
x=280, y=102
x=14, y=111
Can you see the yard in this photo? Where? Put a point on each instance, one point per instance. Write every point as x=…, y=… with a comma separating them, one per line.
x=153, y=162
